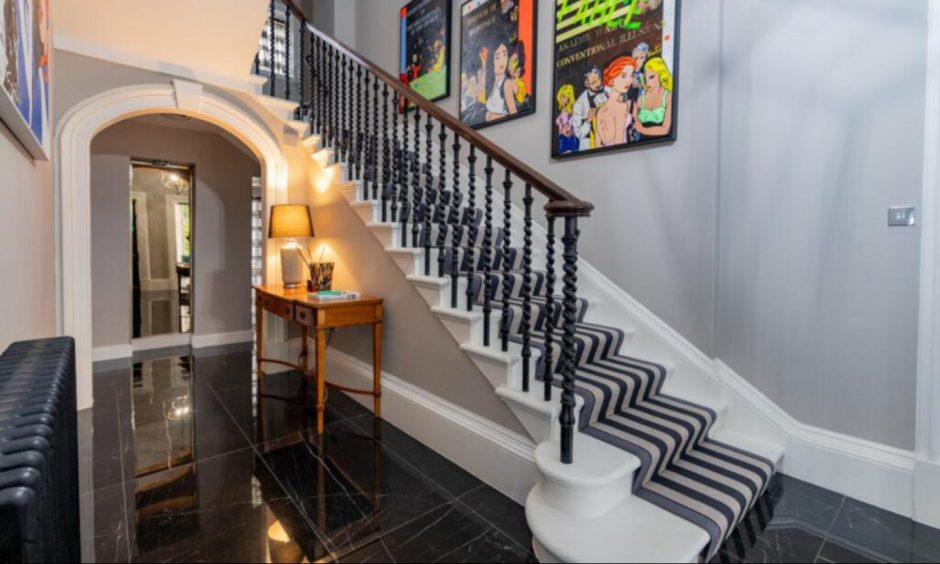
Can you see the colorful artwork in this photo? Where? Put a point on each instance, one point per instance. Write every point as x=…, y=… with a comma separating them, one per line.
x=425, y=48
x=615, y=83
x=25, y=45
x=497, y=60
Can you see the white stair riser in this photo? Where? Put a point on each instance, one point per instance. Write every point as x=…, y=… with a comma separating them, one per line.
x=387, y=233
x=366, y=211
x=585, y=503
x=505, y=371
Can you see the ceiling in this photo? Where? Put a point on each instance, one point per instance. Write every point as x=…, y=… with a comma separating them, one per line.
x=205, y=37
x=192, y=125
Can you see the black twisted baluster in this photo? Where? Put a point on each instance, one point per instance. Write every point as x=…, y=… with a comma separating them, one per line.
x=486, y=287
x=351, y=150
x=330, y=111
x=472, y=225
x=568, y=352
x=315, y=93
x=506, y=264
x=386, y=155
x=526, y=324
x=303, y=109
x=403, y=184
x=547, y=365
x=344, y=113
x=272, y=78
x=360, y=125
x=442, y=218
x=416, y=182
x=257, y=66
x=334, y=98
x=365, y=135
x=456, y=232
x=374, y=136
x=396, y=158
x=429, y=192
x=286, y=52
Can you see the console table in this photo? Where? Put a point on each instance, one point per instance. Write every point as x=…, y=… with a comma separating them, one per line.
x=296, y=307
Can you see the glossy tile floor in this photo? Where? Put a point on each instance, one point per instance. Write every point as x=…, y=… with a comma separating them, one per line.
x=184, y=461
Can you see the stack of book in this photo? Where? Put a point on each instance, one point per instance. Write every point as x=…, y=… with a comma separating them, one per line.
x=334, y=296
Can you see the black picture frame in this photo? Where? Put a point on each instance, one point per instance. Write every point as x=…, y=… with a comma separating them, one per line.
x=402, y=47
x=531, y=64
x=644, y=143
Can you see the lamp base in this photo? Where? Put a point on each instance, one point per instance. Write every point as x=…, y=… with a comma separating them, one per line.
x=293, y=268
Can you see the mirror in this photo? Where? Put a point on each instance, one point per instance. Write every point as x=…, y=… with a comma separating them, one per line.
x=161, y=248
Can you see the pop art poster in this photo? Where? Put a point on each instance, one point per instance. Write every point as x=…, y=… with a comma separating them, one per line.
x=25, y=47
x=497, y=60
x=425, y=48
x=615, y=76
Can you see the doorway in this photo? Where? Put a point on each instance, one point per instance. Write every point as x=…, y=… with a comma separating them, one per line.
x=161, y=223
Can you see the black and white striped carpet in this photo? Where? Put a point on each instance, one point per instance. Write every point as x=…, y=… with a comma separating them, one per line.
x=683, y=471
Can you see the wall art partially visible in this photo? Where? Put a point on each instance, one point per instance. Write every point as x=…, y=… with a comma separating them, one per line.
x=25, y=81
x=424, y=52
x=616, y=74
x=497, y=60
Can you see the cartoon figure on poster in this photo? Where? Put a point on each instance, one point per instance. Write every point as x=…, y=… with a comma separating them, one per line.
x=24, y=72
x=615, y=67
x=497, y=67
x=425, y=48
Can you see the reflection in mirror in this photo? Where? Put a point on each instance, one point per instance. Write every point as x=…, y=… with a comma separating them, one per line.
x=161, y=248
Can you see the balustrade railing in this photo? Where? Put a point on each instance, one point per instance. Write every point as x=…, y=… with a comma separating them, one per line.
x=362, y=113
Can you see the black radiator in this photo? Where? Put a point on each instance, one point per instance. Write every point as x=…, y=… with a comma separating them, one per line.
x=39, y=505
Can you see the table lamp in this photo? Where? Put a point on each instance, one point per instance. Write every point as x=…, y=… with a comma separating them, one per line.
x=291, y=222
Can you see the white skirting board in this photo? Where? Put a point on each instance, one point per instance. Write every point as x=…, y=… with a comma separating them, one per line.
x=100, y=354
x=499, y=457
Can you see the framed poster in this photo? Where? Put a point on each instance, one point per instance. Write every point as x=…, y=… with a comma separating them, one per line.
x=25, y=47
x=424, y=52
x=497, y=60
x=615, y=76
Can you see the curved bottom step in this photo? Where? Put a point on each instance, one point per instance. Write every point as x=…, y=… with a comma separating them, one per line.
x=633, y=531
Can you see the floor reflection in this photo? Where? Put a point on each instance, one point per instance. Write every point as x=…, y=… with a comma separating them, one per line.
x=194, y=459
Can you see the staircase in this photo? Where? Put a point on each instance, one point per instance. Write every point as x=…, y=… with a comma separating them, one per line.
x=634, y=464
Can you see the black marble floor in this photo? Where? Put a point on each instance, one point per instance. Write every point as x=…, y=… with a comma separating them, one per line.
x=184, y=461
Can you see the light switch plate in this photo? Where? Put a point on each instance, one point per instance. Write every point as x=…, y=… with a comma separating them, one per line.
x=902, y=217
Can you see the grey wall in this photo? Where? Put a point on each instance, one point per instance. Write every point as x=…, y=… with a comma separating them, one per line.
x=27, y=249
x=222, y=226
x=817, y=297
x=654, y=229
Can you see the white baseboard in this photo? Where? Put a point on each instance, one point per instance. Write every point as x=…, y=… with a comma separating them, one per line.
x=222, y=339
x=499, y=457
x=865, y=470
x=161, y=342
x=100, y=354
x=927, y=493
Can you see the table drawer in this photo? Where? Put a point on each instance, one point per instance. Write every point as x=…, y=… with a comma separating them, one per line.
x=305, y=315
x=278, y=307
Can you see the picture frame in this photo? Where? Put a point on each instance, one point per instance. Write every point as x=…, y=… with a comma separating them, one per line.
x=593, y=42
x=425, y=48
x=25, y=74
x=500, y=33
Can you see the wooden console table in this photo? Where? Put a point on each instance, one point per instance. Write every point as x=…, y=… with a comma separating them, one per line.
x=296, y=307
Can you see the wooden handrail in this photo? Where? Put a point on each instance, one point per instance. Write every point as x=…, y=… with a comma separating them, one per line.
x=561, y=202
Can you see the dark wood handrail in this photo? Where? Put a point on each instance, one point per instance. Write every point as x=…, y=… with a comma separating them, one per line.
x=561, y=202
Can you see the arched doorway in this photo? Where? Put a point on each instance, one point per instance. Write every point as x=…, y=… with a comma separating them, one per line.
x=75, y=133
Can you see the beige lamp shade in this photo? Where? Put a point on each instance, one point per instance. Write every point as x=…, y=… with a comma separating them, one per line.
x=290, y=222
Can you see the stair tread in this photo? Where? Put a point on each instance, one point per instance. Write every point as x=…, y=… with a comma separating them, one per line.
x=633, y=531
x=596, y=463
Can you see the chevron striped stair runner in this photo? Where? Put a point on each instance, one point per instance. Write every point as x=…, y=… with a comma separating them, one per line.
x=708, y=483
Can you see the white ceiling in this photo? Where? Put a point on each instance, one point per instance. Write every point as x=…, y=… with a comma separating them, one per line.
x=206, y=37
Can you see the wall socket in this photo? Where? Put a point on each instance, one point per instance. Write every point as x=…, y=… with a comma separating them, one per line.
x=902, y=217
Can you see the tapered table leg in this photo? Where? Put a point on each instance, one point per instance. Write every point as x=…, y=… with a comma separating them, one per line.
x=321, y=378
x=377, y=368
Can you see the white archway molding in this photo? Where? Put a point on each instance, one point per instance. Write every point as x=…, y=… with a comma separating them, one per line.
x=74, y=136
